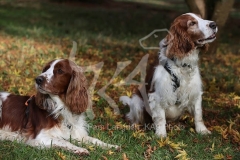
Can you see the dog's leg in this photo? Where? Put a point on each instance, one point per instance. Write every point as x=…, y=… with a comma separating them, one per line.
x=199, y=125
x=45, y=141
x=158, y=116
x=11, y=136
x=98, y=142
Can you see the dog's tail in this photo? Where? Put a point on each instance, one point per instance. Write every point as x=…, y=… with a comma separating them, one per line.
x=136, y=105
x=125, y=100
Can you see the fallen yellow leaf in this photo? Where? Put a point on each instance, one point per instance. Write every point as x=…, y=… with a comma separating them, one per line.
x=163, y=142
x=91, y=148
x=182, y=155
x=61, y=155
x=218, y=156
x=192, y=130
x=109, y=113
x=138, y=134
x=110, y=152
x=124, y=156
x=129, y=93
x=212, y=148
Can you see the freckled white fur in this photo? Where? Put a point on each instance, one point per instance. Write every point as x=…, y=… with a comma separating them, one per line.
x=162, y=102
x=49, y=73
x=77, y=122
x=72, y=126
x=58, y=107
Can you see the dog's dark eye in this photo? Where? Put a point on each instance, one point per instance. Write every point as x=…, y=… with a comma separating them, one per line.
x=59, y=71
x=192, y=23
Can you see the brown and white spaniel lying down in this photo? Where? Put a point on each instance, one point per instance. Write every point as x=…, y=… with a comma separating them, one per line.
x=173, y=83
x=54, y=115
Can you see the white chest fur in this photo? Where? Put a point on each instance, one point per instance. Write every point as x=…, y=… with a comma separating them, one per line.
x=175, y=102
x=71, y=125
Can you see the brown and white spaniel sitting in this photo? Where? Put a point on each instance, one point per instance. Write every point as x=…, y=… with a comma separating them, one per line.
x=173, y=84
x=54, y=115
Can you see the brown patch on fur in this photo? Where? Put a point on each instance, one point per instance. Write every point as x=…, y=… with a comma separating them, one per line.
x=182, y=36
x=47, y=66
x=77, y=95
x=38, y=119
x=40, y=100
x=69, y=83
x=29, y=120
x=13, y=112
x=179, y=41
x=59, y=82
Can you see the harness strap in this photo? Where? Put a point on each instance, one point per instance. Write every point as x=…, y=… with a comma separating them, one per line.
x=27, y=109
x=176, y=82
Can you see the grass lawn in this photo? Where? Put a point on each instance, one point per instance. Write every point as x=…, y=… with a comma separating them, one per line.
x=32, y=34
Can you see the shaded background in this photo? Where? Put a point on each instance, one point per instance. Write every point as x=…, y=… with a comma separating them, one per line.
x=35, y=32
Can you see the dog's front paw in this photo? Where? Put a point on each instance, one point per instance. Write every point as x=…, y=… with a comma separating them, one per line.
x=202, y=129
x=204, y=132
x=161, y=132
x=118, y=148
x=82, y=152
x=151, y=101
x=161, y=135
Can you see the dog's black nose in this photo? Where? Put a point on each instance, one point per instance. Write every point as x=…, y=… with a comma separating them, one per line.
x=39, y=80
x=213, y=25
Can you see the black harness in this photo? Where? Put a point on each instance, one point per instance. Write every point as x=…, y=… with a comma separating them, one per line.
x=175, y=79
x=176, y=82
x=27, y=110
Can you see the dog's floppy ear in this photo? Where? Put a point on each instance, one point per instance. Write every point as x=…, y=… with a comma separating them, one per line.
x=77, y=95
x=44, y=102
x=40, y=100
x=179, y=42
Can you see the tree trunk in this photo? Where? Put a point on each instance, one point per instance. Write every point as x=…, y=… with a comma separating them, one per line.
x=221, y=11
x=197, y=6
